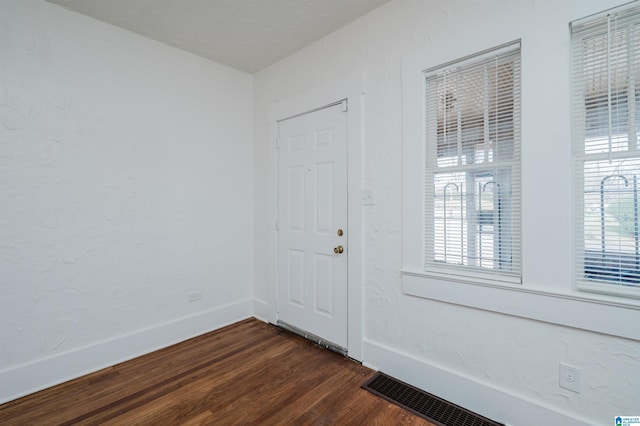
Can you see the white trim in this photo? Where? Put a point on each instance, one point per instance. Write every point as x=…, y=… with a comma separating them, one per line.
x=41, y=374
x=473, y=58
x=599, y=314
x=588, y=20
x=413, y=174
x=350, y=87
x=497, y=404
x=466, y=274
x=261, y=310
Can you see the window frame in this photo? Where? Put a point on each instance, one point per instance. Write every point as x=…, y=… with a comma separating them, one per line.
x=584, y=280
x=463, y=272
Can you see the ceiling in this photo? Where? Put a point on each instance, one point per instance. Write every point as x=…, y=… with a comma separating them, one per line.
x=244, y=34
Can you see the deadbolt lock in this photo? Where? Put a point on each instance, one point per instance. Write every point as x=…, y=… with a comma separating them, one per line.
x=338, y=250
x=340, y=233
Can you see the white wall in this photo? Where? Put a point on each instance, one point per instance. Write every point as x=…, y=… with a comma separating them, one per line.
x=125, y=185
x=503, y=366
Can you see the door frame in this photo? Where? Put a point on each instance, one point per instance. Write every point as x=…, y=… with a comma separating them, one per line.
x=350, y=88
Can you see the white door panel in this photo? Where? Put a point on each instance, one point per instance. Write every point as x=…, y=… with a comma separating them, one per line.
x=312, y=207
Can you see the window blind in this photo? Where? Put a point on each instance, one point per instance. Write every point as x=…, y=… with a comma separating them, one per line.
x=472, y=200
x=606, y=84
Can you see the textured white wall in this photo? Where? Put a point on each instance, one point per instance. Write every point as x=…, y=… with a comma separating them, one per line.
x=125, y=183
x=513, y=355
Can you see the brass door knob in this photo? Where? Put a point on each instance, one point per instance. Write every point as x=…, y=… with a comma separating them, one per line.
x=338, y=250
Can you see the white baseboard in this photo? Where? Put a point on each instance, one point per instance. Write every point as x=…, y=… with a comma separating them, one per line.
x=478, y=397
x=261, y=310
x=41, y=374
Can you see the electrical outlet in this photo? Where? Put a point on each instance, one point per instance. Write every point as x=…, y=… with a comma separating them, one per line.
x=570, y=377
x=194, y=297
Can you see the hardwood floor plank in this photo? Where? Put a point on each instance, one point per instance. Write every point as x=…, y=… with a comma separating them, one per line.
x=339, y=389
x=247, y=373
x=107, y=387
x=171, y=385
x=205, y=418
x=210, y=389
x=276, y=391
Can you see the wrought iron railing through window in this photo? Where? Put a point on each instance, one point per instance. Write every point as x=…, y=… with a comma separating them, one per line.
x=618, y=256
x=446, y=238
x=472, y=230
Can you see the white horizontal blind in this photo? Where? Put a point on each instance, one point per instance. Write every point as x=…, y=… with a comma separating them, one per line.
x=606, y=116
x=472, y=200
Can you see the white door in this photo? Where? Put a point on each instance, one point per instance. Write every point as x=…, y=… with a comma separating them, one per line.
x=312, y=223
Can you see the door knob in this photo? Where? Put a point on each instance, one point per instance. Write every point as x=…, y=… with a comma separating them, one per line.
x=338, y=250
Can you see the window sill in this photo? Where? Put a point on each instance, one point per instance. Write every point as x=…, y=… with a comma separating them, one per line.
x=470, y=276
x=608, y=315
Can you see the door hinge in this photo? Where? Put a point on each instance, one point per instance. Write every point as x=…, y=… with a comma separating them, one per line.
x=277, y=143
x=277, y=225
x=345, y=105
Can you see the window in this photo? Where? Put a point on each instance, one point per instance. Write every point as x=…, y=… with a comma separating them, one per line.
x=462, y=205
x=606, y=150
x=472, y=204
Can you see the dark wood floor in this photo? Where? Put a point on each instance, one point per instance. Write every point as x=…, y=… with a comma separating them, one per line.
x=247, y=373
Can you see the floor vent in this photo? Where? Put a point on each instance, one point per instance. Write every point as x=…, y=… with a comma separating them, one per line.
x=423, y=404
